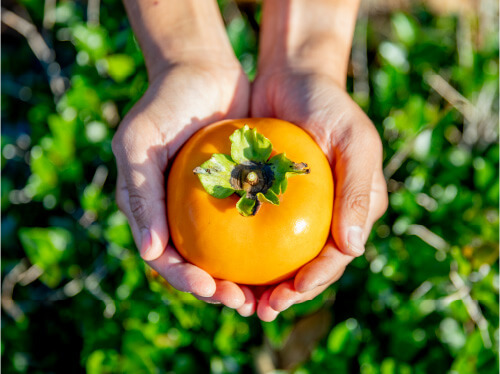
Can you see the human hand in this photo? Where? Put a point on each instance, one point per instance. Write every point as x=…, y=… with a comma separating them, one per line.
x=180, y=100
x=317, y=103
x=195, y=80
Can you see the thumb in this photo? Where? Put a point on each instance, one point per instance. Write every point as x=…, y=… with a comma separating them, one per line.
x=356, y=161
x=142, y=199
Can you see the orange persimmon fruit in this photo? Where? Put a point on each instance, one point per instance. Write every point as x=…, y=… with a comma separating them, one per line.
x=279, y=225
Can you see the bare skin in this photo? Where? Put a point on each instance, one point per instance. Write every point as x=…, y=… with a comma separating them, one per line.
x=304, y=50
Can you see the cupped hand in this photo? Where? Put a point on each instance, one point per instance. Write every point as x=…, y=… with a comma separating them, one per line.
x=320, y=105
x=181, y=99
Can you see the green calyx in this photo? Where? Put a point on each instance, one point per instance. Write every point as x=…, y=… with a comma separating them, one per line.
x=248, y=172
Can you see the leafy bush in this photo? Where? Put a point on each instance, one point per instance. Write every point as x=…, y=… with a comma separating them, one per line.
x=76, y=296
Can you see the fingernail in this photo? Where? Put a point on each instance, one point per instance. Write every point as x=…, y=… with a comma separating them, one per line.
x=269, y=316
x=146, y=242
x=355, y=241
x=246, y=310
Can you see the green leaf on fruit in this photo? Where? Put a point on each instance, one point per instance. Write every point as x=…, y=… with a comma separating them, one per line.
x=269, y=197
x=215, y=175
x=247, y=207
x=248, y=172
x=248, y=145
x=282, y=168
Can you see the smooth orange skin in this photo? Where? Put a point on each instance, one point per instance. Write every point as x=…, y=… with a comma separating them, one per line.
x=278, y=240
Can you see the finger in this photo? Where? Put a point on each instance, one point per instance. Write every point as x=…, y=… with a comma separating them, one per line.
x=285, y=295
x=358, y=155
x=248, y=308
x=182, y=275
x=327, y=265
x=142, y=162
x=264, y=310
x=227, y=293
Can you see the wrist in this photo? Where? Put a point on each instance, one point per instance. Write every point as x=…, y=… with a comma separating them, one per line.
x=307, y=35
x=318, y=57
x=209, y=61
x=178, y=32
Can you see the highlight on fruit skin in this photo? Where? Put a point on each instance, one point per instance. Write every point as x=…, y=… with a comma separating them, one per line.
x=249, y=172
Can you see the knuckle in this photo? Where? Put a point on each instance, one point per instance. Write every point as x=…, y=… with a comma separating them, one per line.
x=341, y=138
x=138, y=207
x=358, y=202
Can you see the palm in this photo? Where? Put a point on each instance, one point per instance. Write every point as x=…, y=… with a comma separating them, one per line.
x=313, y=102
x=186, y=98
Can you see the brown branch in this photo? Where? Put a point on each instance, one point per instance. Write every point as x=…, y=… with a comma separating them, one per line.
x=93, y=9
x=49, y=14
x=40, y=49
x=480, y=124
x=472, y=307
x=8, y=285
x=37, y=44
x=428, y=236
x=450, y=94
x=398, y=158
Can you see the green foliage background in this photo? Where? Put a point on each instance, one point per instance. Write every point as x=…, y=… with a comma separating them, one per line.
x=76, y=297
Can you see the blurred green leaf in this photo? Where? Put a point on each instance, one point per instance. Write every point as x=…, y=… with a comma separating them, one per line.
x=344, y=338
x=405, y=28
x=102, y=361
x=119, y=66
x=91, y=39
x=46, y=248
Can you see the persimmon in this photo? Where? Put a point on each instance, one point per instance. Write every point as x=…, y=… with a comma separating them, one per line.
x=241, y=209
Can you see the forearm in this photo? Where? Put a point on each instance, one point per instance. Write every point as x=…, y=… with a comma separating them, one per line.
x=171, y=31
x=308, y=34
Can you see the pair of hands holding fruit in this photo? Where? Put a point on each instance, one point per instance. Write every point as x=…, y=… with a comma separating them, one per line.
x=196, y=80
